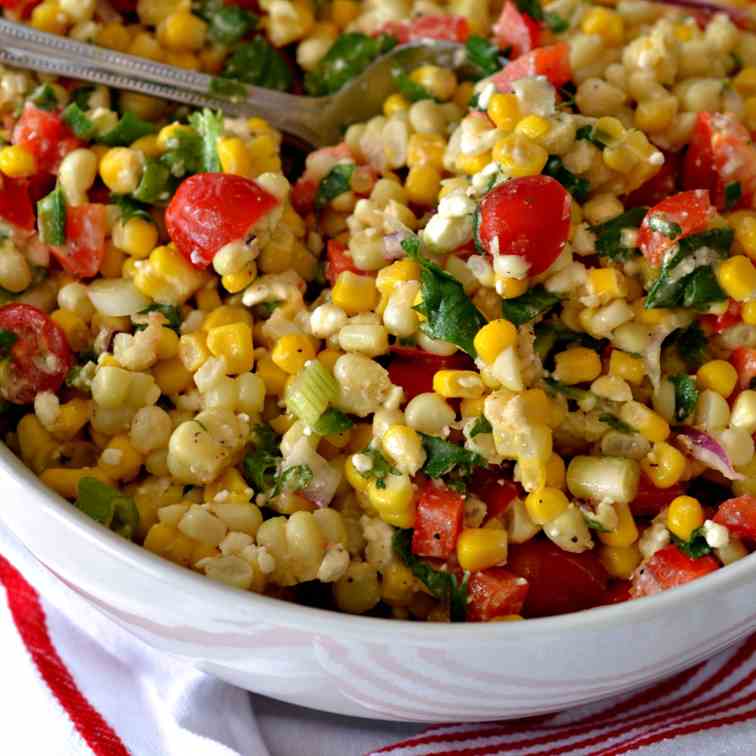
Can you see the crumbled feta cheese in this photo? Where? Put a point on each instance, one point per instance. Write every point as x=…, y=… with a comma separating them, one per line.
x=47, y=408
x=362, y=463
x=511, y=266
x=716, y=535
x=334, y=564
x=111, y=457
x=535, y=95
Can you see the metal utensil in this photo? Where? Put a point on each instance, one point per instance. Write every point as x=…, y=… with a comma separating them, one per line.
x=319, y=121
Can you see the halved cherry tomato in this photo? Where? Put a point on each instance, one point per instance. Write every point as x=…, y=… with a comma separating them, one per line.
x=668, y=568
x=15, y=204
x=516, y=30
x=743, y=359
x=617, y=593
x=413, y=369
x=560, y=582
x=86, y=227
x=739, y=516
x=39, y=358
x=22, y=7
x=338, y=260
x=660, y=185
x=730, y=317
x=495, y=592
x=45, y=135
x=551, y=61
x=495, y=489
x=124, y=6
x=303, y=195
x=438, y=522
x=528, y=217
x=650, y=500
x=690, y=211
x=210, y=210
x=443, y=27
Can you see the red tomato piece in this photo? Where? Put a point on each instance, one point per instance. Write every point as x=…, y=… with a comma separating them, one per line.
x=413, y=369
x=495, y=592
x=690, y=211
x=516, y=30
x=659, y=186
x=444, y=27
x=86, y=227
x=438, y=522
x=743, y=359
x=15, y=204
x=560, y=582
x=668, y=568
x=729, y=318
x=319, y=163
x=303, y=195
x=650, y=500
x=528, y=217
x=617, y=593
x=210, y=210
x=40, y=357
x=551, y=61
x=45, y=135
x=338, y=260
x=739, y=516
x=22, y=7
x=124, y=6
x=494, y=489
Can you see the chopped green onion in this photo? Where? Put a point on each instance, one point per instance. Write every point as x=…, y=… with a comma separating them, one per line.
x=51, y=218
x=78, y=121
x=311, y=393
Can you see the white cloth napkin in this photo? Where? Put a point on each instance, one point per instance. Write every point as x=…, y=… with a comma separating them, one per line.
x=73, y=683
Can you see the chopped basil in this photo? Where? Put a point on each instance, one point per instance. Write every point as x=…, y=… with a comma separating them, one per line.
x=333, y=421
x=450, y=315
x=227, y=24
x=293, y=478
x=481, y=425
x=51, y=218
x=7, y=340
x=552, y=337
x=615, y=423
x=733, y=193
x=130, y=208
x=442, y=457
x=610, y=236
x=534, y=302
x=347, y=57
x=686, y=396
x=695, y=547
x=261, y=464
x=556, y=23
x=108, y=506
x=80, y=96
x=78, y=121
x=44, y=97
x=664, y=227
x=335, y=182
x=483, y=56
x=531, y=7
x=257, y=62
x=691, y=345
x=578, y=187
x=442, y=584
x=380, y=467
x=171, y=313
x=126, y=131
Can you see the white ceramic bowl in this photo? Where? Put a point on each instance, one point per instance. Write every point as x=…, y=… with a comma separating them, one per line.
x=367, y=667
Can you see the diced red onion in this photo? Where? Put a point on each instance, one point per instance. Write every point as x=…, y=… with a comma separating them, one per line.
x=704, y=448
x=325, y=479
x=392, y=245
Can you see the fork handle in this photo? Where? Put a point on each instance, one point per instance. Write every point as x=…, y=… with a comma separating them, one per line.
x=28, y=48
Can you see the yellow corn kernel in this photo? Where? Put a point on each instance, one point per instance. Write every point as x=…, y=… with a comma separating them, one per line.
x=182, y=32
x=233, y=283
x=328, y=357
x=480, y=548
x=745, y=81
x=234, y=157
x=49, y=17
x=504, y=111
x=397, y=584
x=356, y=481
x=684, y=515
x=749, y=113
x=171, y=376
x=208, y=300
x=231, y=481
x=17, y=162
x=112, y=264
x=656, y=114
x=398, y=272
x=510, y=288
x=748, y=313
x=426, y=149
x=167, y=277
x=577, y=365
x=555, y=472
x=263, y=151
x=737, y=276
x=193, y=351
x=664, y=465
x=745, y=232
x=627, y=366
x=534, y=127
x=120, y=460
x=65, y=480
x=620, y=561
x=168, y=135
x=114, y=36
x=608, y=283
x=471, y=164
x=343, y=12
x=292, y=351
x=137, y=237
x=626, y=532
x=394, y=104
x=72, y=417
x=226, y=315
x=395, y=501
x=74, y=327
x=648, y=423
x=719, y=376
x=606, y=23
x=170, y=543
x=182, y=60
x=520, y=156
x=212, y=59
x=423, y=184
x=144, y=45
x=496, y=336
x=354, y=293
x=272, y=376
x=546, y=504
x=439, y=82
x=149, y=109
x=234, y=344
x=464, y=94
x=121, y=169
x=471, y=407
x=36, y=444
x=462, y=384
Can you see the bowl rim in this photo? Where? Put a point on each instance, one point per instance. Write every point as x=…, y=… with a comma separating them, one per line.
x=298, y=616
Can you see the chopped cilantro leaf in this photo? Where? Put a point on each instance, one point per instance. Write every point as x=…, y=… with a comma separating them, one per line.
x=261, y=464
x=334, y=183
x=534, y=302
x=610, y=237
x=692, y=346
x=293, y=478
x=483, y=56
x=332, y=421
x=695, y=547
x=443, y=457
x=556, y=23
x=126, y=131
x=44, y=97
x=257, y=62
x=578, y=187
x=481, y=425
x=531, y=7
x=686, y=396
x=380, y=468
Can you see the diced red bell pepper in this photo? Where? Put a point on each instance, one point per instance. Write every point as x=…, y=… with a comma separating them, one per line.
x=551, y=61
x=495, y=592
x=84, y=251
x=413, y=369
x=45, y=135
x=495, y=489
x=650, y=500
x=15, y=204
x=743, y=359
x=739, y=516
x=517, y=31
x=438, y=521
x=730, y=317
x=339, y=260
x=669, y=568
x=303, y=195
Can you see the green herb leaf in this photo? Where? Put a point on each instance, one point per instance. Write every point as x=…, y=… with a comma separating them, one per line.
x=335, y=182
x=80, y=96
x=209, y=126
x=483, y=55
x=595, y=524
x=664, y=227
x=695, y=547
x=44, y=97
x=450, y=315
x=615, y=423
x=571, y=392
x=578, y=187
x=380, y=469
x=227, y=24
x=257, y=62
x=413, y=91
x=51, y=218
x=553, y=337
x=531, y=7
x=733, y=193
x=443, y=457
x=556, y=23
x=686, y=396
x=127, y=130
x=702, y=289
x=481, y=425
x=130, y=208
x=261, y=465
x=108, y=506
x=593, y=135
x=692, y=346
x=293, y=478
x=156, y=183
x=222, y=87
x=78, y=121
x=171, y=313
x=534, y=302
x=7, y=340
x=332, y=421
x=347, y=57
x=610, y=241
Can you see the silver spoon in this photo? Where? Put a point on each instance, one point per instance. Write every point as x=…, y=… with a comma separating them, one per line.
x=319, y=121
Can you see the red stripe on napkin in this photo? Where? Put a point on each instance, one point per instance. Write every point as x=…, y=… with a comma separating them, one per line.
x=29, y=618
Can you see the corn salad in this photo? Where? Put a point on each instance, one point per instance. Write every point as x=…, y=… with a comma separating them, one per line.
x=491, y=357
